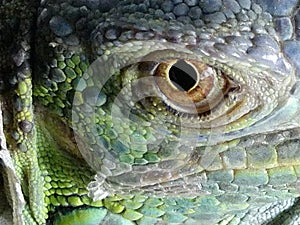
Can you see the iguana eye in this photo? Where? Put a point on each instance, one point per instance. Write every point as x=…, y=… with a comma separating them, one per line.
x=186, y=86
x=190, y=86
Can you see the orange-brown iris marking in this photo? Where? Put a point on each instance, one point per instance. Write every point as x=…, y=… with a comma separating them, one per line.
x=191, y=85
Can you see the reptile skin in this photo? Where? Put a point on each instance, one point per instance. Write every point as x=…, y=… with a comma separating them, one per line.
x=150, y=112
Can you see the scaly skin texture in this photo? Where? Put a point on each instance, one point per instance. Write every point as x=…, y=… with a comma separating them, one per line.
x=95, y=130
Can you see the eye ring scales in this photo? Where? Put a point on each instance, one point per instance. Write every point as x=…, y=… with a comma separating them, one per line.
x=190, y=86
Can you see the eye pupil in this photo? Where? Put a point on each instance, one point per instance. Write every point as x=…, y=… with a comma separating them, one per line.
x=182, y=75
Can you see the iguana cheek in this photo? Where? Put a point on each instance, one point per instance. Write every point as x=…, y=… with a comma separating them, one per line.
x=137, y=139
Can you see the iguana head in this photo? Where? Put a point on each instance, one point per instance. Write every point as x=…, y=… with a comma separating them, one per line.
x=136, y=123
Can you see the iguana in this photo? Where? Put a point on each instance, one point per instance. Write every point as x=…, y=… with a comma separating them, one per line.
x=150, y=112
